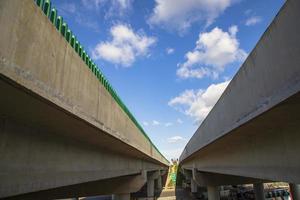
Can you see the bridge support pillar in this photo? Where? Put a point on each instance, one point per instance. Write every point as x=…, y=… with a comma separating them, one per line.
x=121, y=197
x=213, y=193
x=258, y=189
x=295, y=191
x=150, y=188
x=159, y=182
x=151, y=177
x=193, y=186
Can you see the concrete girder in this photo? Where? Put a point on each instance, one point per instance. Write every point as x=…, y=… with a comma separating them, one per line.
x=252, y=131
x=120, y=186
x=57, y=165
x=215, y=179
x=60, y=126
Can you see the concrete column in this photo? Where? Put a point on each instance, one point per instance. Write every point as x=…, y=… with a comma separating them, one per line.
x=295, y=191
x=150, y=188
x=193, y=186
x=213, y=193
x=258, y=189
x=159, y=183
x=121, y=196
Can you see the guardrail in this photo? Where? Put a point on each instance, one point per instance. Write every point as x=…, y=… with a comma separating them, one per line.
x=62, y=28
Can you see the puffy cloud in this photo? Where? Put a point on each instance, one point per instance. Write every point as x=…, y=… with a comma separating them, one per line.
x=213, y=52
x=124, y=47
x=168, y=124
x=175, y=139
x=172, y=153
x=116, y=4
x=124, y=4
x=91, y=4
x=145, y=123
x=170, y=50
x=180, y=14
x=155, y=123
x=179, y=121
x=198, y=103
x=253, y=20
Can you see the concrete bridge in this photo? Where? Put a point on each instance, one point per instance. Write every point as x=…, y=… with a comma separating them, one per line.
x=64, y=132
x=252, y=135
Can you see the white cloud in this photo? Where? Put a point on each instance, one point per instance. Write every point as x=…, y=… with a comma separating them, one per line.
x=213, y=52
x=253, y=20
x=175, y=139
x=91, y=4
x=179, y=121
x=198, y=103
x=172, y=153
x=155, y=123
x=168, y=124
x=181, y=14
x=170, y=50
x=124, y=47
x=116, y=4
x=124, y=4
x=145, y=123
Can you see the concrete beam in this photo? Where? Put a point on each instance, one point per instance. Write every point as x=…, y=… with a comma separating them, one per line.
x=215, y=179
x=48, y=161
x=36, y=58
x=152, y=175
x=239, y=136
x=62, y=129
x=61, y=126
x=120, y=185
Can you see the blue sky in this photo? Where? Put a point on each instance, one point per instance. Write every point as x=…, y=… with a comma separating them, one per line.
x=169, y=60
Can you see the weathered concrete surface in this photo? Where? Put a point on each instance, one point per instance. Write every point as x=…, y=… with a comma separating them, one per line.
x=34, y=159
x=253, y=130
x=59, y=126
x=213, y=179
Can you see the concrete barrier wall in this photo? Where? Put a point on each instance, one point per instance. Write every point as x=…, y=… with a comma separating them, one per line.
x=35, y=55
x=270, y=74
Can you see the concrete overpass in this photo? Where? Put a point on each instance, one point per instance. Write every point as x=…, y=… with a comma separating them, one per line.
x=252, y=135
x=64, y=132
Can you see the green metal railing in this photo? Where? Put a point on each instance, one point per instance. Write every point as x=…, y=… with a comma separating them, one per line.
x=62, y=27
